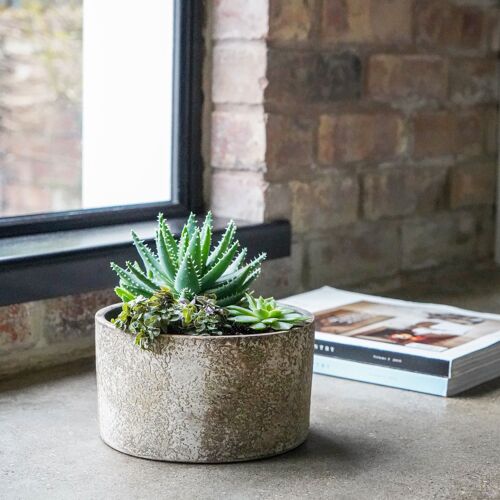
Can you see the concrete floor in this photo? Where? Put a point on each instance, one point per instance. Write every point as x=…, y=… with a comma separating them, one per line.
x=366, y=441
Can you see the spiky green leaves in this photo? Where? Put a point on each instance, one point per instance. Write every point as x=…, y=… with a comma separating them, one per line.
x=206, y=237
x=219, y=267
x=167, y=249
x=190, y=266
x=233, y=286
x=264, y=315
x=187, y=277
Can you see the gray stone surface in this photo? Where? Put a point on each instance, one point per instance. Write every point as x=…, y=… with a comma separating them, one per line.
x=365, y=442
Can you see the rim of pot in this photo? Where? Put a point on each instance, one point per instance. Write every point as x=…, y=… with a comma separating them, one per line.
x=100, y=318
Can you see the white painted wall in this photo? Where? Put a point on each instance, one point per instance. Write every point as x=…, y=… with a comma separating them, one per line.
x=127, y=109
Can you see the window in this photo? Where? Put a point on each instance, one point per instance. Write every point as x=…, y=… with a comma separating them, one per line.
x=104, y=131
x=127, y=103
x=100, y=112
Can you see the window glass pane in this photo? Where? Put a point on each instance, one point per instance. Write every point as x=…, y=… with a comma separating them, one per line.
x=85, y=104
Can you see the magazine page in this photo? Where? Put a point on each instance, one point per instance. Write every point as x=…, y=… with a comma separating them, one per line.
x=427, y=330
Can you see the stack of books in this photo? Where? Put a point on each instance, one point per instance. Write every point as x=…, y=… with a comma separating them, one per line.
x=428, y=348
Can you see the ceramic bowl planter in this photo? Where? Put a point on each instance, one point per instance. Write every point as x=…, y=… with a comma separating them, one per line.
x=204, y=398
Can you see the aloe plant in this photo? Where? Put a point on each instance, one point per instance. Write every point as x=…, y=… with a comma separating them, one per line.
x=189, y=266
x=264, y=314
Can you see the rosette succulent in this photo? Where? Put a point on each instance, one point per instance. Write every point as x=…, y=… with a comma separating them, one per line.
x=264, y=314
x=189, y=266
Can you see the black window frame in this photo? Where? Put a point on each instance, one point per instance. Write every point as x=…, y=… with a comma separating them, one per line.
x=187, y=192
x=56, y=254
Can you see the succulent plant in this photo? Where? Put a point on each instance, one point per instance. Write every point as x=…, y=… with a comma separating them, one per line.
x=189, y=266
x=162, y=313
x=264, y=314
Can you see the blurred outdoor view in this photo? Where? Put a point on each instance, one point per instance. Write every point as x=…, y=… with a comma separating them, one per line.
x=85, y=104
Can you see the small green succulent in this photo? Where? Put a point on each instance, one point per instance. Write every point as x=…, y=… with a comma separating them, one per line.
x=264, y=314
x=189, y=266
x=163, y=313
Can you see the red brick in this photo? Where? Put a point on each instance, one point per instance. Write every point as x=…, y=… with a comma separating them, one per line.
x=356, y=137
x=403, y=191
x=325, y=202
x=366, y=21
x=238, y=139
x=354, y=253
x=444, y=24
x=407, y=77
x=485, y=223
x=434, y=134
x=443, y=133
x=438, y=239
x=238, y=195
x=290, y=19
x=26, y=199
x=470, y=133
x=239, y=72
x=282, y=277
x=493, y=30
x=473, y=80
x=289, y=146
x=278, y=200
x=72, y=316
x=490, y=121
x=240, y=19
x=32, y=171
x=307, y=76
x=15, y=328
x=473, y=184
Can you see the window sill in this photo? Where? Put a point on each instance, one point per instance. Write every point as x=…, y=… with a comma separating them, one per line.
x=50, y=265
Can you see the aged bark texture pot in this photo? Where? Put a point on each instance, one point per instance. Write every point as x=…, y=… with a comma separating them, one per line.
x=204, y=399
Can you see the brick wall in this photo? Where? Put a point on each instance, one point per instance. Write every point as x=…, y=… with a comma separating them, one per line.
x=49, y=332
x=371, y=124
x=40, y=107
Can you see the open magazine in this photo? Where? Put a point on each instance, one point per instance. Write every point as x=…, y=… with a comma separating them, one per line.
x=426, y=339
